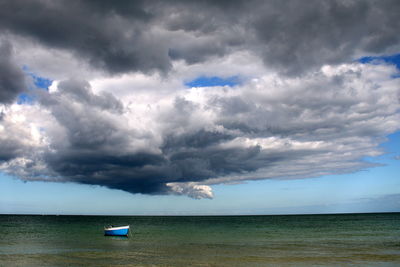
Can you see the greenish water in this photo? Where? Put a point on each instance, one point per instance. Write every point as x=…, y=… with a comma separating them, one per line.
x=306, y=240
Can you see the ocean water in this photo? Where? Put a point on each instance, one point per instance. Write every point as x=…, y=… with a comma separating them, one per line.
x=305, y=240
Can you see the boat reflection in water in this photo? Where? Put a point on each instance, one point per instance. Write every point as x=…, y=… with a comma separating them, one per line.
x=116, y=230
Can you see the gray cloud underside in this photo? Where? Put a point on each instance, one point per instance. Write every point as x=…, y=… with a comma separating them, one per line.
x=124, y=36
x=12, y=79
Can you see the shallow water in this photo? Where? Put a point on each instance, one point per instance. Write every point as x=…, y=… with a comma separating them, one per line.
x=305, y=240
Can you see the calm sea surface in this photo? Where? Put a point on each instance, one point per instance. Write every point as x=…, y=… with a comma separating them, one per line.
x=307, y=240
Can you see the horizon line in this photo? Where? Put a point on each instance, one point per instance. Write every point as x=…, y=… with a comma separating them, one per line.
x=198, y=215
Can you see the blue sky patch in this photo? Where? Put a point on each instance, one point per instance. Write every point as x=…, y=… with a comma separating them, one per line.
x=25, y=98
x=392, y=59
x=39, y=82
x=206, y=81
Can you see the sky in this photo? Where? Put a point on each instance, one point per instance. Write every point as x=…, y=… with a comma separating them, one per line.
x=199, y=107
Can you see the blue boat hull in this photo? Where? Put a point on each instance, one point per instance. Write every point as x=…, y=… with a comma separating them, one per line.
x=119, y=232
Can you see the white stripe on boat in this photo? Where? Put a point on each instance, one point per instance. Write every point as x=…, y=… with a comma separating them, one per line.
x=116, y=228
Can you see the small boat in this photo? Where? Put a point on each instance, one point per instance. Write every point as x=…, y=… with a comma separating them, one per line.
x=116, y=230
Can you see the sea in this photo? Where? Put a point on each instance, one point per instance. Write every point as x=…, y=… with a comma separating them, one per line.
x=289, y=240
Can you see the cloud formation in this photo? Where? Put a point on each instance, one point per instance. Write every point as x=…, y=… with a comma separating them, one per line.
x=273, y=127
x=119, y=114
x=148, y=36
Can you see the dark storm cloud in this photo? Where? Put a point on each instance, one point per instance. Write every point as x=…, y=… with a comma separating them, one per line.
x=142, y=172
x=97, y=148
x=123, y=36
x=12, y=78
x=199, y=139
